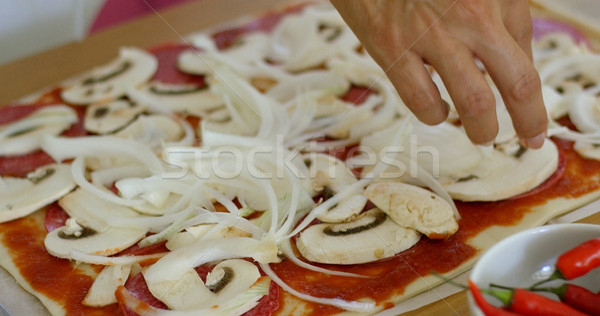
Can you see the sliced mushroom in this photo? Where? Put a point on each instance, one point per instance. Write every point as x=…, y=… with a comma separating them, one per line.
x=227, y=280
x=20, y=197
x=413, y=207
x=102, y=291
x=329, y=176
x=371, y=236
x=62, y=242
x=111, y=81
x=230, y=278
x=188, y=292
x=109, y=117
x=502, y=175
x=179, y=98
x=24, y=136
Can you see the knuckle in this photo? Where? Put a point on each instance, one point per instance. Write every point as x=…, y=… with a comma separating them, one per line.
x=527, y=84
x=475, y=10
x=419, y=101
x=478, y=103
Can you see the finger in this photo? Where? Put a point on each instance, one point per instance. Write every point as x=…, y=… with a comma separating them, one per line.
x=414, y=85
x=469, y=90
x=517, y=20
x=520, y=87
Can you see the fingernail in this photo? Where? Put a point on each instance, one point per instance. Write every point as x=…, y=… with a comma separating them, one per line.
x=534, y=142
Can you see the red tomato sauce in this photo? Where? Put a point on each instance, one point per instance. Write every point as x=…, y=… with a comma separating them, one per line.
x=391, y=276
x=55, y=278
x=61, y=281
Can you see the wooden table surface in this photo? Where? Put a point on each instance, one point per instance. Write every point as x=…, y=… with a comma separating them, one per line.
x=29, y=75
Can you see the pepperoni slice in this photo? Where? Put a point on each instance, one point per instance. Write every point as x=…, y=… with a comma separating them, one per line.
x=55, y=218
x=136, y=250
x=266, y=23
x=267, y=304
x=12, y=113
x=20, y=166
x=357, y=95
x=136, y=285
x=167, y=71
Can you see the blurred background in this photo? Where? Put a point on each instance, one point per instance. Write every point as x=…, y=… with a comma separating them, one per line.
x=28, y=27
x=32, y=26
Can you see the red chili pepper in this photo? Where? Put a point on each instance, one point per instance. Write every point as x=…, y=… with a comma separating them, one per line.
x=487, y=308
x=579, y=260
x=578, y=297
x=532, y=304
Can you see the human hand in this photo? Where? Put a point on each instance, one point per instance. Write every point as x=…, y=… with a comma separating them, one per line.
x=403, y=35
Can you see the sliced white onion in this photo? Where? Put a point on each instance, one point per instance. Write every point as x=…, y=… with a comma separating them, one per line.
x=78, y=172
x=355, y=306
x=108, y=176
x=60, y=148
x=176, y=263
x=80, y=256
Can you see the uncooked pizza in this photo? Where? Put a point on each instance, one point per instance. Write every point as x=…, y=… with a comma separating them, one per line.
x=272, y=169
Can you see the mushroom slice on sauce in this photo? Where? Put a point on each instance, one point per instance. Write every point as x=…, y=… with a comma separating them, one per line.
x=63, y=241
x=24, y=136
x=132, y=68
x=102, y=291
x=370, y=237
x=88, y=230
x=228, y=279
x=179, y=98
x=329, y=176
x=109, y=117
x=503, y=175
x=20, y=197
x=413, y=207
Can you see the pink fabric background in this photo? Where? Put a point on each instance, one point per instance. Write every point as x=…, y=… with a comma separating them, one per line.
x=117, y=11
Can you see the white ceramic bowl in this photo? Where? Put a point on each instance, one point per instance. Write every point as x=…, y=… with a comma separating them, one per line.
x=529, y=256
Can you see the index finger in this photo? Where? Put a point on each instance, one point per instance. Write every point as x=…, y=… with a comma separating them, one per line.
x=520, y=87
